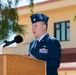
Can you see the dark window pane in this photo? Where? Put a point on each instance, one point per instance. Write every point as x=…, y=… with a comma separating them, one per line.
x=63, y=31
x=68, y=30
x=68, y=24
x=58, y=34
x=68, y=34
x=57, y=26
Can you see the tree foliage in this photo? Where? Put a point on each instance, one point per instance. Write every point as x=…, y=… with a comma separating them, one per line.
x=31, y=5
x=9, y=20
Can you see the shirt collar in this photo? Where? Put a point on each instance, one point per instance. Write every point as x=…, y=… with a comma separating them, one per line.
x=41, y=37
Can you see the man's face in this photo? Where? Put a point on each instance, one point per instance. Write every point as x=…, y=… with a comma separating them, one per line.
x=38, y=29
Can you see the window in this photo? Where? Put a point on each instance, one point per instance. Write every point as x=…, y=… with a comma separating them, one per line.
x=62, y=30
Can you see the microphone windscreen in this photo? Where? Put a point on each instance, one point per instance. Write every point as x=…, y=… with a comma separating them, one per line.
x=18, y=39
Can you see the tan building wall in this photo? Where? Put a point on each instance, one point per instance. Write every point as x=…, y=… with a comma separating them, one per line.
x=66, y=72
x=58, y=11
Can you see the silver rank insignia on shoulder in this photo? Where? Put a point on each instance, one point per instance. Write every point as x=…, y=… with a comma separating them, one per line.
x=34, y=19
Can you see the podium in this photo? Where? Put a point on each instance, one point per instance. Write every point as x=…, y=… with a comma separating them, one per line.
x=13, y=64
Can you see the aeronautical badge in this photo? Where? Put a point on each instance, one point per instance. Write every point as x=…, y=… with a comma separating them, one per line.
x=43, y=50
x=44, y=46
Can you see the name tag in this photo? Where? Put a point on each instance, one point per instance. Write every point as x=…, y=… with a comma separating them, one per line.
x=43, y=50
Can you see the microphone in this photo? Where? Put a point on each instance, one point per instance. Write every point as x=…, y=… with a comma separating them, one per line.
x=17, y=39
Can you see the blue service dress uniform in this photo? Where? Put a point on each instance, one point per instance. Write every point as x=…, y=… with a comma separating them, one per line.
x=49, y=50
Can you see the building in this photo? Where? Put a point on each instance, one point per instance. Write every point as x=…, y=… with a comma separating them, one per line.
x=62, y=25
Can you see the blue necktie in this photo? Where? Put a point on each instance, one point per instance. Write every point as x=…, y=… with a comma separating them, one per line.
x=36, y=43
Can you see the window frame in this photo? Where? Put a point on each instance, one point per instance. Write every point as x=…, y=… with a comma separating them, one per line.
x=66, y=27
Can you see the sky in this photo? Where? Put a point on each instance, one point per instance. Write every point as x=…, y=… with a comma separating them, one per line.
x=21, y=3
x=24, y=2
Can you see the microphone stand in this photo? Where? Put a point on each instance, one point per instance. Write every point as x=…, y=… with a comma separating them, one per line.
x=8, y=43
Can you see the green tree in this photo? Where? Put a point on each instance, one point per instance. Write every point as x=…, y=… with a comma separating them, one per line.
x=31, y=6
x=9, y=19
x=74, y=19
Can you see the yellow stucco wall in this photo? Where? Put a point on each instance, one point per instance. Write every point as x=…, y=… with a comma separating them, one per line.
x=57, y=11
x=67, y=72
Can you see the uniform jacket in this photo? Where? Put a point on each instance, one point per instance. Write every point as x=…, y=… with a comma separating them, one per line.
x=49, y=50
